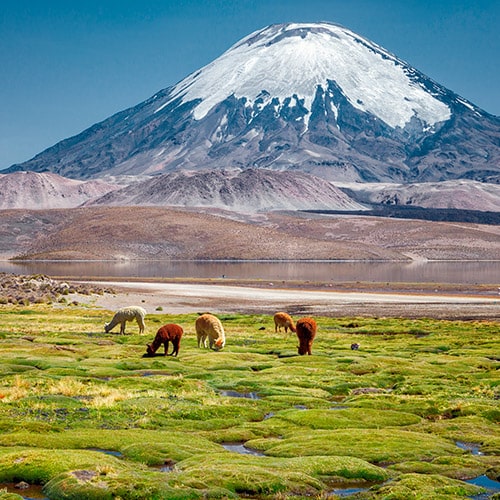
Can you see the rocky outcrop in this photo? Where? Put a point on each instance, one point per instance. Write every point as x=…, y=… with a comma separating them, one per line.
x=38, y=289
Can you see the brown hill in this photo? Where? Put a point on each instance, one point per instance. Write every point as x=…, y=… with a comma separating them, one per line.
x=164, y=233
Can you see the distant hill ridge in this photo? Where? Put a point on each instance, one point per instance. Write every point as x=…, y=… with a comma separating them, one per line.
x=246, y=190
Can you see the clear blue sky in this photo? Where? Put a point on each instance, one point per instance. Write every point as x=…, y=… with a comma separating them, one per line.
x=67, y=64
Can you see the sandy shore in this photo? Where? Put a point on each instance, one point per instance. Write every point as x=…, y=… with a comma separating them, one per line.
x=300, y=299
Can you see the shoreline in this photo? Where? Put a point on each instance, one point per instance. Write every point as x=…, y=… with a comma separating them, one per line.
x=181, y=295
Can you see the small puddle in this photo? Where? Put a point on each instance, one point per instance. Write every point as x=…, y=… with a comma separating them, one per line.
x=474, y=448
x=167, y=466
x=347, y=492
x=107, y=452
x=352, y=489
x=32, y=492
x=338, y=407
x=268, y=415
x=241, y=448
x=485, y=482
x=154, y=374
x=236, y=394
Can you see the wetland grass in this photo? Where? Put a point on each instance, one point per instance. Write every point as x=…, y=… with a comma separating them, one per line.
x=84, y=415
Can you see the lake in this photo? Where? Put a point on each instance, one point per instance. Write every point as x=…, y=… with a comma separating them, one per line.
x=487, y=272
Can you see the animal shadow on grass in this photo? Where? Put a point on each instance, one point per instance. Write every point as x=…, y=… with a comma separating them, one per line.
x=155, y=354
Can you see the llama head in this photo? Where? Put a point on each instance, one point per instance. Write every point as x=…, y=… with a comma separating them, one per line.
x=302, y=349
x=106, y=327
x=149, y=350
x=219, y=344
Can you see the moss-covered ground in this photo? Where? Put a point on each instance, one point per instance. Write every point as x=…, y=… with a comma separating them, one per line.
x=413, y=413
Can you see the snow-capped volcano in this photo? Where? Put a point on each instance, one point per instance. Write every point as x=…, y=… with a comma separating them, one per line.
x=288, y=63
x=311, y=97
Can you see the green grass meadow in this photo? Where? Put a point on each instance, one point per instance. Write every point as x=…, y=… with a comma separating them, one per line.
x=412, y=414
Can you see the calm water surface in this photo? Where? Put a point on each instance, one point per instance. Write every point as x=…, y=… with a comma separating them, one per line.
x=413, y=272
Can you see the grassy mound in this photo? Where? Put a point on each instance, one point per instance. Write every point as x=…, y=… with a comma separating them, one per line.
x=412, y=413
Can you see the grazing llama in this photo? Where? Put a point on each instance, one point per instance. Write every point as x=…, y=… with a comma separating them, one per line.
x=209, y=327
x=127, y=314
x=282, y=319
x=306, y=331
x=167, y=333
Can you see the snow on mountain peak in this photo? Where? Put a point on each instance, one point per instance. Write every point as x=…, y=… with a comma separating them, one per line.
x=294, y=59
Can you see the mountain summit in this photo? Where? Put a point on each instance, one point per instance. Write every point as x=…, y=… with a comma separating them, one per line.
x=288, y=66
x=312, y=97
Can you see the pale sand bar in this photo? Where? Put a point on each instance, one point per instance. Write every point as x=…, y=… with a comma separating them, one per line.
x=176, y=298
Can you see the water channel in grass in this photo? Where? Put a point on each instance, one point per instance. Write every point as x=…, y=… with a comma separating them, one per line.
x=28, y=492
x=483, y=272
x=490, y=485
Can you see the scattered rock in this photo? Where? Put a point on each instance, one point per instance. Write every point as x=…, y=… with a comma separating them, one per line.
x=84, y=475
x=22, y=485
x=367, y=390
x=40, y=289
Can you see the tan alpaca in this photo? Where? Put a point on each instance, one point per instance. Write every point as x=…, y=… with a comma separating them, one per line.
x=209, y=327
x=282, y=319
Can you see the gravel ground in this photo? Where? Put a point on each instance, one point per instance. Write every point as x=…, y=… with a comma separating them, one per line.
x=473, y=303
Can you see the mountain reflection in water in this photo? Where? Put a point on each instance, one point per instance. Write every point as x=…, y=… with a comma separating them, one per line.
x=405, y=272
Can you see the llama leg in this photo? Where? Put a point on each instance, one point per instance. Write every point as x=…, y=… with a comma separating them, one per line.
x=175, y=344
x=140, y=322
x=166, y=347
x=122, y=327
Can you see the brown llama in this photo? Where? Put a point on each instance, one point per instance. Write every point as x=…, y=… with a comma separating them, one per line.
x=306, y=331
x=167, y=333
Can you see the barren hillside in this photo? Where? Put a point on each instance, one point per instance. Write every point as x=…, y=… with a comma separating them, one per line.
x=164, y=233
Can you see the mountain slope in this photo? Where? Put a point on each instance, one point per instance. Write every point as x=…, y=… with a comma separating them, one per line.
x=249, y=190
x=31, y=190
x=315, y=97
x=463, y=194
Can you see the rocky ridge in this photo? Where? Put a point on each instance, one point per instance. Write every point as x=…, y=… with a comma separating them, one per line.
x=47, y=190
x=248, y=190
